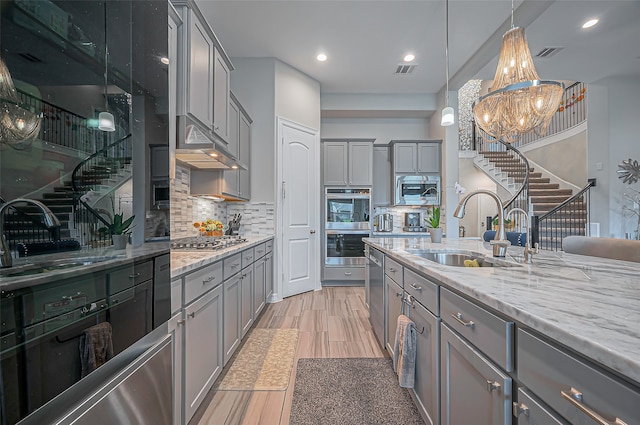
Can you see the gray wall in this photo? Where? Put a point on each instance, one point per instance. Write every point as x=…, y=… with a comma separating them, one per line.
x=566, y=159
x=383, y=130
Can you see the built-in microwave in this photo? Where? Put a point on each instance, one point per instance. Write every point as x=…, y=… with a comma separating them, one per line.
x=417, y=190
x=161, y=195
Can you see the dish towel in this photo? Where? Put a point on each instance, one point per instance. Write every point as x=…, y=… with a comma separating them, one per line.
x=96, y=347
x=404, y=352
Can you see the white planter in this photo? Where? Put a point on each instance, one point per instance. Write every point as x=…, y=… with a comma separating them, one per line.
x=119, y=241
x=436, y=235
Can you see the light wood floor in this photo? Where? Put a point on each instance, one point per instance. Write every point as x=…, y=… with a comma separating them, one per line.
x=333, y=322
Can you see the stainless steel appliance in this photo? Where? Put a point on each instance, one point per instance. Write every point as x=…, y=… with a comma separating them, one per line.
x=417, y=190
x=376, y=293
x=161, y=289
x=206, y=243
x=161, y=195
x=413, y=222
x=347, y=222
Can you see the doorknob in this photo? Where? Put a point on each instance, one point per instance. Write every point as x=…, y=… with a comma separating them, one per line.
x=312, y=231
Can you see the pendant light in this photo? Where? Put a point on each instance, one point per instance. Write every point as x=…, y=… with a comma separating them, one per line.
x=448, y=115
x=519, y=102
x=106, y=121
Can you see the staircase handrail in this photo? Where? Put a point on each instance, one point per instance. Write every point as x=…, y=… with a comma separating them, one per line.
x=74, y=178
x=525, y=183
x=589, y=185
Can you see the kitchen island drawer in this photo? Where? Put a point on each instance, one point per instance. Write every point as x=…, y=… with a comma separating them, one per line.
x=344, y=273
x=260, y=250
x=488, y=332
x=530, y=412
x=393, y=270
x=201, y=281
x=269, y=245
x=232, y=265
x=248, y=255
x=423, y=290
x=575, y=389
x=128, y=276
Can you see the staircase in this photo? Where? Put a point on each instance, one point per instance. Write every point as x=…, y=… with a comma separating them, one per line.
x=544, y=196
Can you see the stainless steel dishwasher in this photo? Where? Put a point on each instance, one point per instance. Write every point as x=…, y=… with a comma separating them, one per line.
x=376, y=293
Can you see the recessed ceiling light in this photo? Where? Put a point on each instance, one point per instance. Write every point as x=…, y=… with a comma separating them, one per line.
x=164, y=60
x=590, y=23
x=409, y=57
x=213, y=154
x=321, y=57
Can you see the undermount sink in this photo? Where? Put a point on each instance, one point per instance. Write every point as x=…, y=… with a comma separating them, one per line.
x=51, y=266
x=457, y=259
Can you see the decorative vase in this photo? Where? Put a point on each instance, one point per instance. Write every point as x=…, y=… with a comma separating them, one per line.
x=119, y=241
x=436, y=235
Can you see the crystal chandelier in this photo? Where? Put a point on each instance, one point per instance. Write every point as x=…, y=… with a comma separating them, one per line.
x=519, y=102
x=19, y=124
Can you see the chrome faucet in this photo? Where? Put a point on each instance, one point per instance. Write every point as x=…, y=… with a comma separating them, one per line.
x=499, y=242
x=50, y=220
x=528, y=250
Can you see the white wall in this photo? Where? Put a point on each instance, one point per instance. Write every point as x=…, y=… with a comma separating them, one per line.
x=383, y=130
x=297, y=96
x=566, y=158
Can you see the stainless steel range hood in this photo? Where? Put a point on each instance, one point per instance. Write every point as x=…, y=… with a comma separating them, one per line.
x=198, y=147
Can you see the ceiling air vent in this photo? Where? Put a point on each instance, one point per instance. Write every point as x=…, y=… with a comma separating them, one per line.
x=29, y=57
x=403, y=69
x=547, y=52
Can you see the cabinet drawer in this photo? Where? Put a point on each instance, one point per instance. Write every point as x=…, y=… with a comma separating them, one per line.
x=260, y=250
x=531, y=412
x=232, y=265
x=489, y=333
x=176, y=295
x=393, y=270
x=200, y=281
x=344, y=273
x=423, y=290
x=128, y=276
x=248, y=256
x=559, y=378
x=269, y=245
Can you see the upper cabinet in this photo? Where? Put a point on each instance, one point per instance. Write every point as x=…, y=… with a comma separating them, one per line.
x=417, y=157
x=235, y=183
x=203, y=73
x=347, y=162
x=381, y=190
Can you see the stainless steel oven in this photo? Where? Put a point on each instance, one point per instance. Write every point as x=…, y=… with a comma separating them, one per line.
x=347, y=222
x=417, y=190
x=345, y=248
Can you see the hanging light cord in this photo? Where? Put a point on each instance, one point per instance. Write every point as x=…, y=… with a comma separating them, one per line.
x=106, y=58
x=512, y=14
x=446, y=49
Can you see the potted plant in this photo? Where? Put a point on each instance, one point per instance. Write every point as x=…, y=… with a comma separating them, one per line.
x=119, y=229
x=433, y=223
x=508, y=223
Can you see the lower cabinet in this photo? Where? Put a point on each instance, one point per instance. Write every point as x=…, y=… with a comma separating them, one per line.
x=232, y=324
x=426, y=389
x=268, y=273
x=176, y=329
x=202, y=348
x=393, y=309
x=473, y=389
x=530, y=411
x=246, y=305
x=258, y=286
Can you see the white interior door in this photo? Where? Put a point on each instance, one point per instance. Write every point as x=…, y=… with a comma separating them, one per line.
x=299, y=195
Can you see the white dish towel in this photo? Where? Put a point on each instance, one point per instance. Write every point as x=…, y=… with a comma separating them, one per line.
x=404, y=352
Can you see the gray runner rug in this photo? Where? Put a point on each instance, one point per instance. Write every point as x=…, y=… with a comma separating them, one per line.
x=352, y=391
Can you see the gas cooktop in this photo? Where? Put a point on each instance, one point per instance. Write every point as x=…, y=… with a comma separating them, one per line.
x=206, y=243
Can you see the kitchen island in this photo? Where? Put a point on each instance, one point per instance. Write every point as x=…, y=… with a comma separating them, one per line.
x=585, y=307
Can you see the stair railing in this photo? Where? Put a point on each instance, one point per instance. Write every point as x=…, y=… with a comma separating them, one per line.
x=569, y=218
x=36, y=231
x=86, y=177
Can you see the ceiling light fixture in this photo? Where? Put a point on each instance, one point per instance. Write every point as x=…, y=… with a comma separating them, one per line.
x=106, y=121
x=321, y=57
x=164, y=60
x=590, y=23
x=448, y=114
x=409, y=57
x=519, y=101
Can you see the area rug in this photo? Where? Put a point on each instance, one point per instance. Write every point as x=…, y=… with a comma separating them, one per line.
x=354, y=391
x=264, y=361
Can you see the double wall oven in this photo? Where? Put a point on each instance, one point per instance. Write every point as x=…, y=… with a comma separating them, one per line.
x=346, y=224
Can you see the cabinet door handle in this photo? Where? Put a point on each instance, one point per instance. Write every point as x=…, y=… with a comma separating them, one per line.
x=520, y=409
x=234, y=265
x=416, y=287
x=458, y=317
x=398, y=294
x=133, y=276
x=392, y=270
x=492, y=385
x=192, y=314
x=347, y=273
x=207, y=280
x=180, y=322
x=575, y=398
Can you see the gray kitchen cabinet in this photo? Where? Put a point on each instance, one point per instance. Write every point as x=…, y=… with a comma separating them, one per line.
x=347, y=163
x=530, y=411
x=416, y=157
x=244, y=155
x=232, y=308
x=381, y=183
x=176, y=330
x=236, y=183
x=393, y=308
x=160, y=163
x=473, y=389
x=268, y=272
x=259, y=279
x=199, y=79
x=202, y=348
x=234, y=126
x=426, y=389
x=221, y=89
x=246, y=307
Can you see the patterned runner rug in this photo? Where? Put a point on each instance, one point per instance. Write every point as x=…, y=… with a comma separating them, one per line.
x=263, y=363
x=352, y=391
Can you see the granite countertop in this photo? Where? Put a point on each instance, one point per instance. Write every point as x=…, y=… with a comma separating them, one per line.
x=108, y=257
x=588, y=304
x=185, y=261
